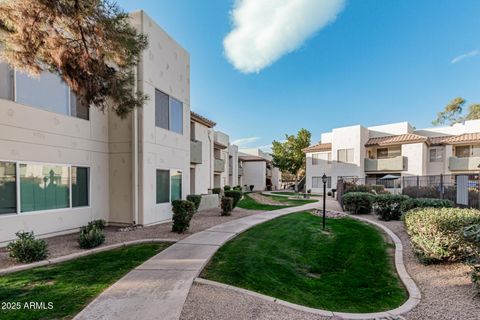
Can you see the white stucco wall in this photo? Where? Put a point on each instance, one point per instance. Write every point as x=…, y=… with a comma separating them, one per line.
x=416, y=154
x=254, y=173
x=165, y=66
x=233, y=165
x=29, y=134
x=203, y=179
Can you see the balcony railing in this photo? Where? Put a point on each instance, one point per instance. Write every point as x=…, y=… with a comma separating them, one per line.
x=195, y=151
x=219, y=165
x=464, y=164
x=389, y=164
x=221, y=140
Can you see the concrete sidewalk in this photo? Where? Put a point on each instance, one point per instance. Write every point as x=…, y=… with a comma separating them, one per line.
x=158, y=288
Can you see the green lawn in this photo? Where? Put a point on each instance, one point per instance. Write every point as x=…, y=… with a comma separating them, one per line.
x=248, y=203
x=71, y=285
x=287, y=193
x=347, y=269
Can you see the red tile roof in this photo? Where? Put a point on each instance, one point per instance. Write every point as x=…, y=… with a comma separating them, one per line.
x=201, y=119
x=318, y=147
x=399, y=139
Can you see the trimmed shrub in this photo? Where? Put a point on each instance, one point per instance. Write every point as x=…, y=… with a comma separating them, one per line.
x=413, y=203
x=239, y=188
x=227, y=206
x=358, y=202
x=235, y=195
x=183, y=211
x=388, y=206
x=91, y=236
x=226, y=188
x=251, y=187
x=216, y=190
x=472, y=235
x=27, y=249
x=357, y=188
x=437, y=235
x=329, y=193
x=196, y=199
x=378, y=188
x=99, y=223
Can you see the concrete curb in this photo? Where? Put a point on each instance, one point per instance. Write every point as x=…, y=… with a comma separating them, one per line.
x=413, y=291
x=79, y=254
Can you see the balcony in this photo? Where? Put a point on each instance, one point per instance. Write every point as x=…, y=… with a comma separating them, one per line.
x=221, y=140
x=464, y=164
x=195, y=151
x=269, y=172
x=388, y=164
x=240, y=171
x=219, y=165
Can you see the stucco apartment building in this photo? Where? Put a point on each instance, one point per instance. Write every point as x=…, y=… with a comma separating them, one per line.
x=396, y=149
x=256, y=168
x=63, y=165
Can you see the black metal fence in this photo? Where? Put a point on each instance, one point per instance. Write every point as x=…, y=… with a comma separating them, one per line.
x=462, y=189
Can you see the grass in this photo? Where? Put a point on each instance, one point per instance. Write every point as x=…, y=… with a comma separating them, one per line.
x=71, y=285
x=248, y=203
x=287, y=193
x=347, y=269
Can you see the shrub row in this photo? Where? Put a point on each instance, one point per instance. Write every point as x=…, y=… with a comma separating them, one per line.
x=91, y=235
x=196, y=199
x=183, y=211
x=375, y=189
x=388, y=206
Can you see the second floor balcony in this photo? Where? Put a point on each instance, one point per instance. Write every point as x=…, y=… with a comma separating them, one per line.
x=464, y=164
x=195, y=151
x=398, y=163
x=219, y=165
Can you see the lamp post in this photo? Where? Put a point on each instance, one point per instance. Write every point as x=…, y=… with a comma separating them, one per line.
x=324, y=180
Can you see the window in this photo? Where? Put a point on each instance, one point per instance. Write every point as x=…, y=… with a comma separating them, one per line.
x=317, y=158
x=78, y=108
x=436, y=155
x=44, y=187
x=462, y=151
x=168, y=112
x=345, y=155
x=161, y=110
x=163, y=186
x=176, y=116
x=80, y=187
x=176, y=185
x=8, y=187
x=317, y=182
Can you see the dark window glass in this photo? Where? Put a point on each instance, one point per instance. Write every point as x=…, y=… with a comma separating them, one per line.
x=80, y=187
x=6, y=87
x=176, y=183
x=8, y=188
x=78, y=108
x=161, y=110
x=163, y=186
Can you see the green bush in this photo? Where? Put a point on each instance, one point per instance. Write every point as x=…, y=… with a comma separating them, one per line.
x=329, y=193
x=216, y=190
x=91, y=236
x=388, y=206
x=437, y=235
x=99, y=223
x=235, y=195
x=357, y=188
x=183, y=211
x=27, y=249
x=196, y=199
x=227, y=206
x=238, y=188
x=413, y=203
x=226, y=188
x=358, y=202
x=472, y=235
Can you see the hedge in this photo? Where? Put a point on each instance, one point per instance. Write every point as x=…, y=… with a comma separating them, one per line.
x=358, y=202
x=183, y=211
x=388, y=206
x=437, y=234
x=227, y=206
x=196, y=199
x=413, y=203
x=236, y=195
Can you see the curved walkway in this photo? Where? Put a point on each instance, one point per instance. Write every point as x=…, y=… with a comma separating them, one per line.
x=158, y=288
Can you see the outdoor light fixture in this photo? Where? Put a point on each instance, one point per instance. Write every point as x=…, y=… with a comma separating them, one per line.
x=324, y=180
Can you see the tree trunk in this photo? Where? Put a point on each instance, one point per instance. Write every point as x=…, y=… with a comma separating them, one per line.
x=296, y=182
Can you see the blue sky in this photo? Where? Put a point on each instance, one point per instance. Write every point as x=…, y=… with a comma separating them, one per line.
x=379, y=61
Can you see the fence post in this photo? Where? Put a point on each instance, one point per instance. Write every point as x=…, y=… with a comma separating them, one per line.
x=441, y=186
x=418, y=184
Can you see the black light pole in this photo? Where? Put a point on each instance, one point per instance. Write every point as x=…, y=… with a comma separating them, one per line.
x=324, y=180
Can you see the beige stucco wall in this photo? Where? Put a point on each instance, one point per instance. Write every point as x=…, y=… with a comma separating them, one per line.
x=204, y=171
x=416, y=154
x=165, y=66
x=233, y=165
x=29, y=134
x=254, y=173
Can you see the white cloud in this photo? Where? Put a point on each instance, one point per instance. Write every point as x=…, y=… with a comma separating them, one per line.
x=467, y=55
x=265, y=30
x=245, y=141
x=266, y=148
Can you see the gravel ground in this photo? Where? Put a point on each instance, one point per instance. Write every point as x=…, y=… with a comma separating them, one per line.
x=447, y=294
x=67, y=244
x=447, y=291
x=210, y=302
